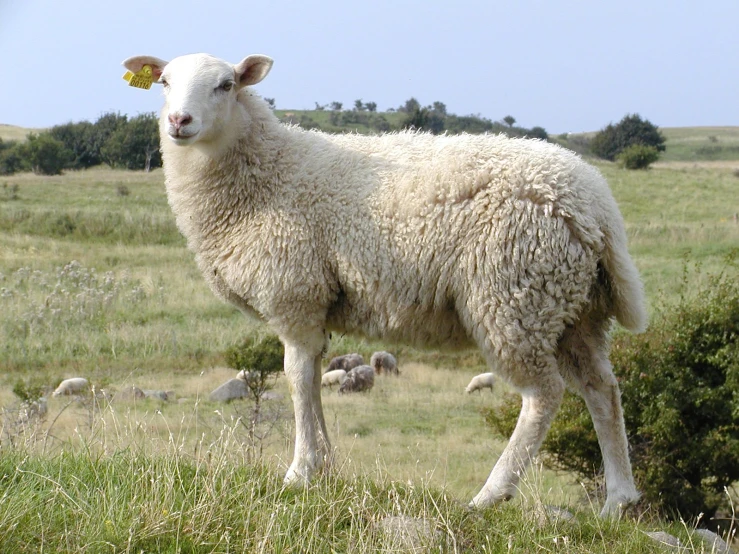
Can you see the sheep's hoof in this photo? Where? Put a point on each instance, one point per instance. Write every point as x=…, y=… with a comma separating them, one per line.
x=296, y=479
x=484, y=500
x=616, y=506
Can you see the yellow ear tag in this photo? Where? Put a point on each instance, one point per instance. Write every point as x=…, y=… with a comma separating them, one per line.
x=140, y=79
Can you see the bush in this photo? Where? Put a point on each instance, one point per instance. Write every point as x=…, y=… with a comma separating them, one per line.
x=45, y=154
x=637, y=156
x=263, y=359
x=609, y=142
x=680, y=385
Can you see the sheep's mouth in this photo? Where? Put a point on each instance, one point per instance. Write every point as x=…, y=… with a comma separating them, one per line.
x=182, y=138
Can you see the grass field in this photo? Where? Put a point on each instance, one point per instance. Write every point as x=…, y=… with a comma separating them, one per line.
x=95, y=281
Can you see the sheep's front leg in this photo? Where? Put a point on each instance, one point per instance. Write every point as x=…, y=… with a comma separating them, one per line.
x=302, y=368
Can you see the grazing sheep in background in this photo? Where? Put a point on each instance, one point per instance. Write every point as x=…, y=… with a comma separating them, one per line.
x=514, y=246
x=361, y=378
x=334, y=377
x=75, y=385
x=482, y=381
x=384, y=362
x=345, y=362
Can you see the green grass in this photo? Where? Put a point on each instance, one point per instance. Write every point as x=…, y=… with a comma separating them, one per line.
x=134, y=309
x=691, y=144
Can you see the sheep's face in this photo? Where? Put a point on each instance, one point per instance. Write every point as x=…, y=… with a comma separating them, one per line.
x=200, y=92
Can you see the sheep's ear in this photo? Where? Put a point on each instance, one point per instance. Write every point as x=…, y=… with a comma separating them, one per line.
x=252, y=69
x=135, y=64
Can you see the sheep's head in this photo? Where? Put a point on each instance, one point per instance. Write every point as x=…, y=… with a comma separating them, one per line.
x=200, y=92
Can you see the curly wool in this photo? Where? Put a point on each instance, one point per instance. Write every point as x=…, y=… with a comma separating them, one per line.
x=432, y=240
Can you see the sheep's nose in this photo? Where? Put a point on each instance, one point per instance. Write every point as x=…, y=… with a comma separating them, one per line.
x=179, y=120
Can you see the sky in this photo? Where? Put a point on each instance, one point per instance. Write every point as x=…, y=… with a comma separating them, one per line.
x=565, y=65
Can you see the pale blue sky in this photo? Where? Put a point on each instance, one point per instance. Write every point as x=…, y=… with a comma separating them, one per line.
x=564, y=65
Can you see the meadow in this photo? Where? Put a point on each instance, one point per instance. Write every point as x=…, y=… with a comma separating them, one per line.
x=95, y=281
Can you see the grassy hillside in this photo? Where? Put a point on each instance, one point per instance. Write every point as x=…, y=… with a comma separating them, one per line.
x=95, y=281
x=11, y=132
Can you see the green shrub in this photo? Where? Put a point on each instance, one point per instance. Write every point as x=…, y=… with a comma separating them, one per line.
x=610, y=141
x=637, y=156
x=262, y=358
x=680, y=385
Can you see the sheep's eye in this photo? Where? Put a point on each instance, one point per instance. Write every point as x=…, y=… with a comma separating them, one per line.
x=164, y=82
x=228, y=85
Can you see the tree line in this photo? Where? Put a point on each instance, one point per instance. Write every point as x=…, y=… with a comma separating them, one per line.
x=133, y=143
x=114, y=139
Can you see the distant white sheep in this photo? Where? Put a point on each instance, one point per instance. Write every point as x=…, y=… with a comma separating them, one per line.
x=384, y=362
x=345, y=362
x=482, y=381
x=75, y=385
x=358, y=379
x=334, y=377
x=514, y=246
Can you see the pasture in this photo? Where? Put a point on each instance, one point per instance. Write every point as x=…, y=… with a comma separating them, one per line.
x=95, y=281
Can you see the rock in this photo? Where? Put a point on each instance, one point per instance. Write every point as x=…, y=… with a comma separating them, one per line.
x=544, y=514
x=714, y=543
x=158, y=395
x=230, y=390
x=130, y=393
x=665, y=539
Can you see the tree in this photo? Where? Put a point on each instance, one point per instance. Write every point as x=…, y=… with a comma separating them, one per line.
x=637, y=156
x=439, y=107
x=538, y=132
x=262, y=361
x=320, y=107
x=336, y=106
x=371, y=106
x=609, y=142
x=410, y=106
x=44, y=154
x=11, y=159
x=104, y=127
x=270, y=102
x=136, y=144
x=509, y=120
x=358, y=105
x=79, y=139
x=424, y=119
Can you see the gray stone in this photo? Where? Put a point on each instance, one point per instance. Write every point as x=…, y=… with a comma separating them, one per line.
x=665, y=539
x=157, y=395
x=130, y=393
x=230, y=390
x=714, y=543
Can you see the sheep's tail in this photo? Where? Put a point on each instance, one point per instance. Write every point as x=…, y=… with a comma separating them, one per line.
x=623, y=284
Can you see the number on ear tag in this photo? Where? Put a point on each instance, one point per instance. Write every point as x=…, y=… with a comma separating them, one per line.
x=140, y=79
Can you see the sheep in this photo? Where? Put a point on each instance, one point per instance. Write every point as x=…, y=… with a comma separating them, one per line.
x=346, y=362
x=513, y=246
x=358, y=379
x=334, y=377
x=384, y=362
x=75, y=385
x=479, y=382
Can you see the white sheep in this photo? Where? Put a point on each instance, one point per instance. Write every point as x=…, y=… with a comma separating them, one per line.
x=511, y=245
x=346, y=362
x=479, y=382
x=384, y=362
x=333, y=377
x=75, y=385
x=358, y=379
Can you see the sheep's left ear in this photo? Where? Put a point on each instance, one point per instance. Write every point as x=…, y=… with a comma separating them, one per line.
x=252, y=69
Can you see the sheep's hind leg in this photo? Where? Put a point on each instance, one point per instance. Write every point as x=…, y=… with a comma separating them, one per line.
x=595, y=382
x=539, y=405
x=300, y=369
